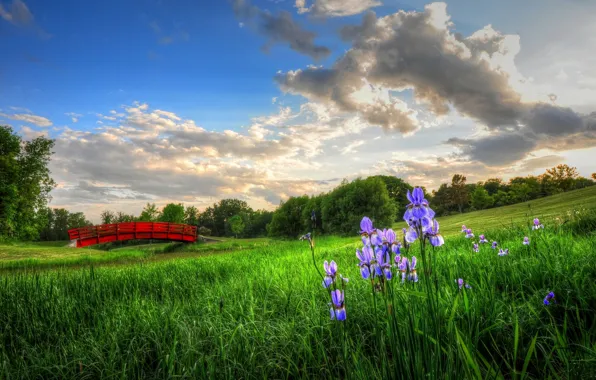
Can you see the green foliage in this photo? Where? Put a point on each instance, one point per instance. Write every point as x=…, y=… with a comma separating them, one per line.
x=59, y=221
x=236, y=225
x=344, y=207
x=150, y=213
x=204, y=231
x=287, y=220
x=108, y=217
x=191, y=215
x=459, y=192
x=481, y=199
x=172, y=213
x=215, y=217
x=25, y=185
x=397, y=190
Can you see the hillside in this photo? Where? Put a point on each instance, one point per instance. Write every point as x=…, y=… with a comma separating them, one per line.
x=546, y=209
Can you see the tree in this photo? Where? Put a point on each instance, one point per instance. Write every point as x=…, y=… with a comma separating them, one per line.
x=123, y=217
x=502, y=198
x=216, y=216
x=520, y=192
x=150, y=213
x=25, y=184
x=594, y=176
x=441, y=199
x=493, y=185
x=397, y=189
x=564, y=176
x=236, y=225
x=459, y=192
x=287, y=219
x=172, y=213
x=345, y=206
x=107, y=217
x=481, y=199
x=77, y=220
x=191, y=215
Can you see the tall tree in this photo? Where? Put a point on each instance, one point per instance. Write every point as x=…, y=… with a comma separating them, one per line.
x=108, y=217
x=397, y=189
x=481, y=199
x=173, y=213
x=459, y=191
x=25, y=184
x=191, y=216
x=236, y=225
x=564, y=176
x=150, y=213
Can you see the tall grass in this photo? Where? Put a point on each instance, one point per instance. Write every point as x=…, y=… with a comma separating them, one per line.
x=262, y=313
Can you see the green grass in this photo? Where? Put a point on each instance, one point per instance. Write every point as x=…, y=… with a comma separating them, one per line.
x=260, y=312
x=546, y=209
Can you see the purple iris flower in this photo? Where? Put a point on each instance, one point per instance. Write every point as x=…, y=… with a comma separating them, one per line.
x=483, y=239
x=537, y=224
x=434, y=237
x=330, y=273
x=412, y=276
x=418, y=207
x=376, y=237
x=366, y=226
x=461, y=284
x=337, y=309
x=469, y=233
x=503, y=252
x=308, y=238
x=526, y=241
x=403, y=267
x=396, y=248
x=384, y=264
x=411, y=235
x=390, y=236
x=397, y=260
x=368, y=263
x=476, y=248
x=464, y=228
x=550, y=297
x=494, y=245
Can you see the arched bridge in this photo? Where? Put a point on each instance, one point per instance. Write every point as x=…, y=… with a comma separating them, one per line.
x=105, y=233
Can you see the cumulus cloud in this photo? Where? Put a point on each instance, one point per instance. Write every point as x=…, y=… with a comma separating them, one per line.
x=336, y=8
x=280, y=29
x=474, y=75
x=40, y=121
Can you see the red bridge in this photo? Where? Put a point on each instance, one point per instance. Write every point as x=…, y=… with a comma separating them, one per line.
x=105, y=233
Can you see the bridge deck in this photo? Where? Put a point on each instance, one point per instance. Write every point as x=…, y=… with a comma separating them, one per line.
x=105, y=233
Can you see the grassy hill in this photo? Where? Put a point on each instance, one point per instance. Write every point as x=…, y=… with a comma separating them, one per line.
x=547, y=209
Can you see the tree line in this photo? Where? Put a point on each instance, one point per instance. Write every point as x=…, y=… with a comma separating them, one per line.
x=25, y=186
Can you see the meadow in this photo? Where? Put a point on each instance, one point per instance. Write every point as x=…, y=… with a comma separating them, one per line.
x=256, y=309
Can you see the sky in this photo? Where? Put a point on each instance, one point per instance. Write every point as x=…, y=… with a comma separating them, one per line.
x=195, y=101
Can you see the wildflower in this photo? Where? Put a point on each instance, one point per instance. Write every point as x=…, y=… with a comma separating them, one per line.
x=376, y=237
x=476, y=248
x=469, y=233
x=411, y=235
x=367, y=263
x=412, y=276
x=537, y=224
x=403, y=267
x=337, y=309
x=308, y=238
x=503, y=252
x=366, y=229
x=397, y=260
x=330, y=273
x=396, y=248
x=433, y=235
x=494, y=245
x=464, y=228
x=526, y=241
x=384, y=263
x=550, y=297
x=461, y=284
x=483, y=239
x=418, y=207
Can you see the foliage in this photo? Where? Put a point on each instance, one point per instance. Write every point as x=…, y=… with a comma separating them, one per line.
x=108, y=217
x=344, y=206
x=397, y=189
x=216, y=216
x=150, y=213
x=236, y=225
x=287, y=219
x=191, y=215
x=204, y=231
x=459, y=192
x=481, y=199
x=59, y=221
x=172, y=213
x=25, y=184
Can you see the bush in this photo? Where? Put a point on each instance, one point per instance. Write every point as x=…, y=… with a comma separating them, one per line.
x=287, y=219
x=204, y=231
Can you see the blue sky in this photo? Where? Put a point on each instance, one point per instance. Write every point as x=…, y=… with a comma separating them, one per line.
x=188, y=84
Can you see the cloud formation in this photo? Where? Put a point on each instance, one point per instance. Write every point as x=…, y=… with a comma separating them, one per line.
x=335, y=8
x=40, y=121
x=279, y=29
x=19, y=14
x=474, y=75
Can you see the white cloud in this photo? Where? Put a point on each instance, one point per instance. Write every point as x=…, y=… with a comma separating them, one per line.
x=40, y=121
x=335, y=8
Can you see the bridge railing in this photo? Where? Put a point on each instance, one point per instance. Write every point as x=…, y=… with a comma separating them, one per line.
x=105, y=233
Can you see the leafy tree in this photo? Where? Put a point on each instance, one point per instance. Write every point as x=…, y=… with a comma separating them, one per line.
x=150, y=213
x=594, y=176
x=77, y=220
x=520, y=192
x=459, y=192
x=108, y=217
x=481, y=199
x=397, y=189
x=216, y=216
x=122, y=217
x=493, y=185
x=502, y=198
x=345, y=206
x=172, y=213
x=236, y=225
x=314, y=204
x=25, y=184
x=191, y=215
x=441, y=199
x=287, y=219
x=564, y=176
x=258, y=222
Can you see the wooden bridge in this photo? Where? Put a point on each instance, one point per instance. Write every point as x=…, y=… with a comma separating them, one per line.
x=105, y=233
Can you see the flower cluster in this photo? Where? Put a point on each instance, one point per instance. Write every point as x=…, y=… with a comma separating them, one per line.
x=469, y=233
x=420, y=219
x=550, y=298
x=337, y=306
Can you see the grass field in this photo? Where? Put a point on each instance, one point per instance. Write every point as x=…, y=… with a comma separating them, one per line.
x=256, y=309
